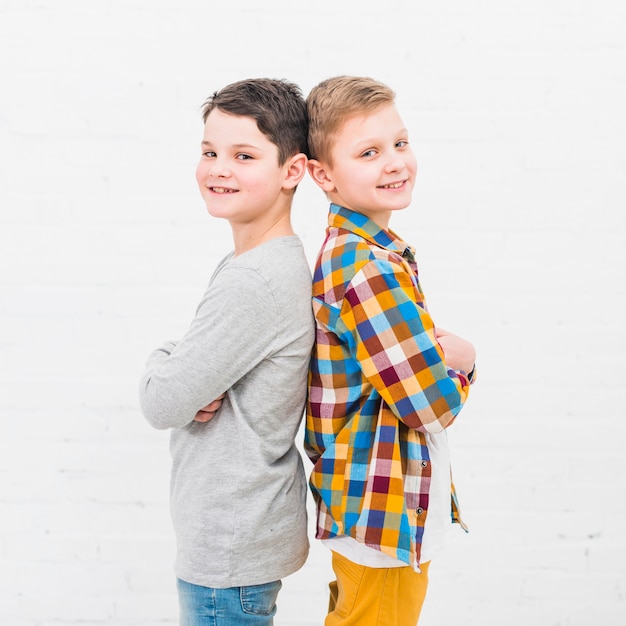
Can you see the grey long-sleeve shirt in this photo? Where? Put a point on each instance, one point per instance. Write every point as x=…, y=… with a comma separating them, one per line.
x=238, y=488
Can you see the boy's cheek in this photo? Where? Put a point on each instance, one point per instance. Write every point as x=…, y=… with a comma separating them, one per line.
x=200, y=173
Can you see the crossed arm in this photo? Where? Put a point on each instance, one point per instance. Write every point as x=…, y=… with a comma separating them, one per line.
x=187, y=380
x=207, y=413
x=421, y=372
x=459, y=353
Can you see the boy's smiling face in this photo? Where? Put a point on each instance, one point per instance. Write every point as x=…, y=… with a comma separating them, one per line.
x=238, y=174
x=373, y=167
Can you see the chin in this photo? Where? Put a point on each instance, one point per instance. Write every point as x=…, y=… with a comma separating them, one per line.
x=216, y=213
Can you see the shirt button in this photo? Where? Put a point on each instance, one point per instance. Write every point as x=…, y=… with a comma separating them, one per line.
x=420, y=510
x=424, y=463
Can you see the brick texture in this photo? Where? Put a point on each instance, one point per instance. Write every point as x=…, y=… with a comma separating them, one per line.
x=515, y=112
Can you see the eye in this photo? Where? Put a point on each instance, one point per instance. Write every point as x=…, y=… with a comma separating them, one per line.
x=368, y=153
x=244, y=157
x=403, y=143
x=209, y=154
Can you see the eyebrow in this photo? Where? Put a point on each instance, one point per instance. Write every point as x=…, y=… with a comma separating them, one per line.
x=239, y=146
x=372, y=140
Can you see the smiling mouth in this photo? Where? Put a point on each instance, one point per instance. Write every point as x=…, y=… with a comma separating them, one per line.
x=392, y=185
x=222, y=190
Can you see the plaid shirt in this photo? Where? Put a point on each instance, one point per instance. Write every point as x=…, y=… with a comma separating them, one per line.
x=377, y=383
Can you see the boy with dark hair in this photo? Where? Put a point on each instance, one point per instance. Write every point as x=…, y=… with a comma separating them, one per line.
x=233, y=388
x=384, y=382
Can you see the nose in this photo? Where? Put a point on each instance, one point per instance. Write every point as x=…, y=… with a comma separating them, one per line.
x=395, y=163
x=218, y=168
x=212, y=167
x=211, y=170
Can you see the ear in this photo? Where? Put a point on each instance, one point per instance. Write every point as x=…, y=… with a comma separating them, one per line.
x=295, y=169
x=320, y=174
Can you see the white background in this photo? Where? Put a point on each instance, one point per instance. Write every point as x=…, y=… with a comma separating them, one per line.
x=516, y=114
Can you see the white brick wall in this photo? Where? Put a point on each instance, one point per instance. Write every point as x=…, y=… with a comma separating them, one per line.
x=516, y=115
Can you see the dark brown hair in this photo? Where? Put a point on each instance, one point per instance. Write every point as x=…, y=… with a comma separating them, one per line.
x=277, y=105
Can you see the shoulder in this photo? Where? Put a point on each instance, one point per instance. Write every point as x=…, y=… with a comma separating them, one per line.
x=280, y=264
x=346, y=255
x=272, y=254
x=277, y=270
x=236, y=285
x=350, y=249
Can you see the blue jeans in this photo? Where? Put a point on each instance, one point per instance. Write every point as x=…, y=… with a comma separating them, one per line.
x=254, y=605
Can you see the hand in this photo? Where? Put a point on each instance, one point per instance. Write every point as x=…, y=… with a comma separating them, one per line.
x=208, y=412
x=459, y=353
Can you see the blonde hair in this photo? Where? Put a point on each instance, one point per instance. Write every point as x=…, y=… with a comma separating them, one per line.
x=336, y=99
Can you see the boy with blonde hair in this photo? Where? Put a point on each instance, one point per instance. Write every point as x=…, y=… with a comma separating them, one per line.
x=384, y=382
x=233, y=389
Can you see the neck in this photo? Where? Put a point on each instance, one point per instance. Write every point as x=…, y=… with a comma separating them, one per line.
x=249, y=236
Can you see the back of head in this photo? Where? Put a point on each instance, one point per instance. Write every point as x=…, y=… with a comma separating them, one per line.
x=336, y=99
x=277, y=105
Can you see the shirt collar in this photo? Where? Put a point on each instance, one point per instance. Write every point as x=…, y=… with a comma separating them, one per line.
x=359, y=224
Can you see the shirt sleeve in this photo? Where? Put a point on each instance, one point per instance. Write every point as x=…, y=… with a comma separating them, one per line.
x=233, y=330
x=391, y=336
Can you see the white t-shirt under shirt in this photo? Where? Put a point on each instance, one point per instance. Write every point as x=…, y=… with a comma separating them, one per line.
x=438, y=520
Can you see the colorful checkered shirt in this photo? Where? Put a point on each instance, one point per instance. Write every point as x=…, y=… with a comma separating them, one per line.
x=377, y=384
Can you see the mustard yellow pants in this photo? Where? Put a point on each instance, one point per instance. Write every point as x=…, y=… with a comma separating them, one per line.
x=369, y=596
